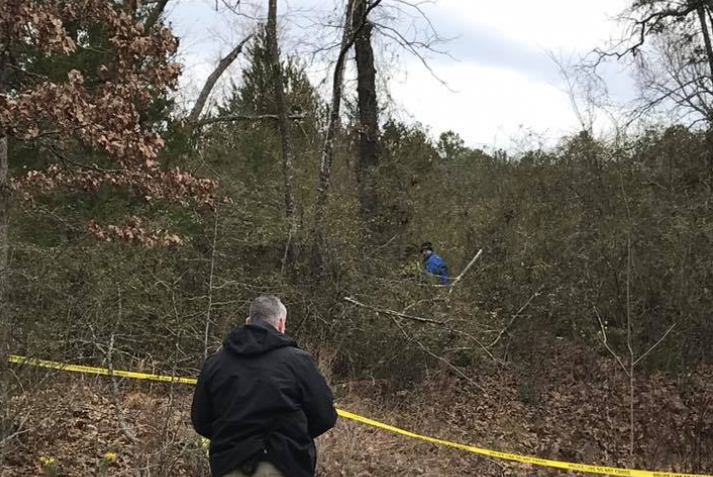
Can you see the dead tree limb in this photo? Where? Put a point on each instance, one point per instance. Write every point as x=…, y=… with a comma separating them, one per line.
x=392, y=312
x=246, y=117
x=223, y=65
x=423, y=320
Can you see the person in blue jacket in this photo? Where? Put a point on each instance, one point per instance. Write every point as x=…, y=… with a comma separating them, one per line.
x=434, y=265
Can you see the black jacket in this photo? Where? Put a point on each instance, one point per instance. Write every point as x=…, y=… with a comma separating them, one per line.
x=260, y=397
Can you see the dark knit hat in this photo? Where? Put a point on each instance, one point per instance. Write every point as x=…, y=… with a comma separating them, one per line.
x=426, y=246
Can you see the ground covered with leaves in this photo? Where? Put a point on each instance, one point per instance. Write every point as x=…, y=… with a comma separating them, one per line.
x=78, y=426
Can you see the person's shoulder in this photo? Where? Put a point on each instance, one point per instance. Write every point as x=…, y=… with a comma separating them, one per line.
x=296, y=352
x=215, y=357
x=297, y=356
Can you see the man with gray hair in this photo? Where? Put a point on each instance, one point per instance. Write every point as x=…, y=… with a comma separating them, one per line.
x=261, y=400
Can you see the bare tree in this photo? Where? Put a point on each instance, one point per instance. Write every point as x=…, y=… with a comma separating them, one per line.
x=669, y=44
x=368, y=110
x=646, y=19
x=669, y=80
x=288, y=151
x=327, y=157
x=325, y=166
x=417, y=41
x=629, y=363
x=701, y=10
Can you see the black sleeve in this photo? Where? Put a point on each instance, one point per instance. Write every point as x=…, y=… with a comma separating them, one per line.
x=317, y=399
x=202, y=407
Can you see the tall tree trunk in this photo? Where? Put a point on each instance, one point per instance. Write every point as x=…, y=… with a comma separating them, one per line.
x=288, y=152
x=325, y=166
x=5, y=428
x=223, y=65
x=327, y=157
x=4, y=225
x=709, y=54
x=706, y=39
x=4, y=245
x=4, y=276
x=368, y=113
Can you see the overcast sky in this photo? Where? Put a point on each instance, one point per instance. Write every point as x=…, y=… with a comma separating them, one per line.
x=500, y=82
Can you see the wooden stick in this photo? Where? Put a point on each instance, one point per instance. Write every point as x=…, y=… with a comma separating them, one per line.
x=467, y=267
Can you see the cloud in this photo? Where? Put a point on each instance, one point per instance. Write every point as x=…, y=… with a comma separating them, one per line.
x=486, y=46
x=552, y=24
x=491, y=106
x=503, y=79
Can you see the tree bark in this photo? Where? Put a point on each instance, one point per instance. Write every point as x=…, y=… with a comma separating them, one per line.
x=706, y=40
x=155, y=14
x=709, y=54
x=223, y=65
x=288, y=152
x=4, y=245
x=368, y=113
x=4, y=226
x=327, y=156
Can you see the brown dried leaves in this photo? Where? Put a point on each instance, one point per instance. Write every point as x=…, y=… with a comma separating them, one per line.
x=148, y=182
x=107, y=115
x=134, y=232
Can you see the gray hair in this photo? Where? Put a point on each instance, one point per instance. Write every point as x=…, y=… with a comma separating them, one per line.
x=267, y=309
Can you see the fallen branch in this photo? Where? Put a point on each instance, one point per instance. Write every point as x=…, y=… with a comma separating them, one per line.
x=248, y=117
x=423, y=320
x=392, y=312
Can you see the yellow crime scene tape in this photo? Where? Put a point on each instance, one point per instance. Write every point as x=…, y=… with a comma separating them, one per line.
x=524, y=459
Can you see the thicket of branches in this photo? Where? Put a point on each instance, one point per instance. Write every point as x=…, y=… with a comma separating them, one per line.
x=165, y=275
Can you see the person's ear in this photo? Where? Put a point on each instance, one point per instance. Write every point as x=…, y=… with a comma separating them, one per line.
x=248, y=320
x=281, y=324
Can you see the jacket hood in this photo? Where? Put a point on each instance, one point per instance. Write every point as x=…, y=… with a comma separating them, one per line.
x=253, y=340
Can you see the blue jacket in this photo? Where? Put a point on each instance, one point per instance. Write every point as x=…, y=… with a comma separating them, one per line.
x=435, y=266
